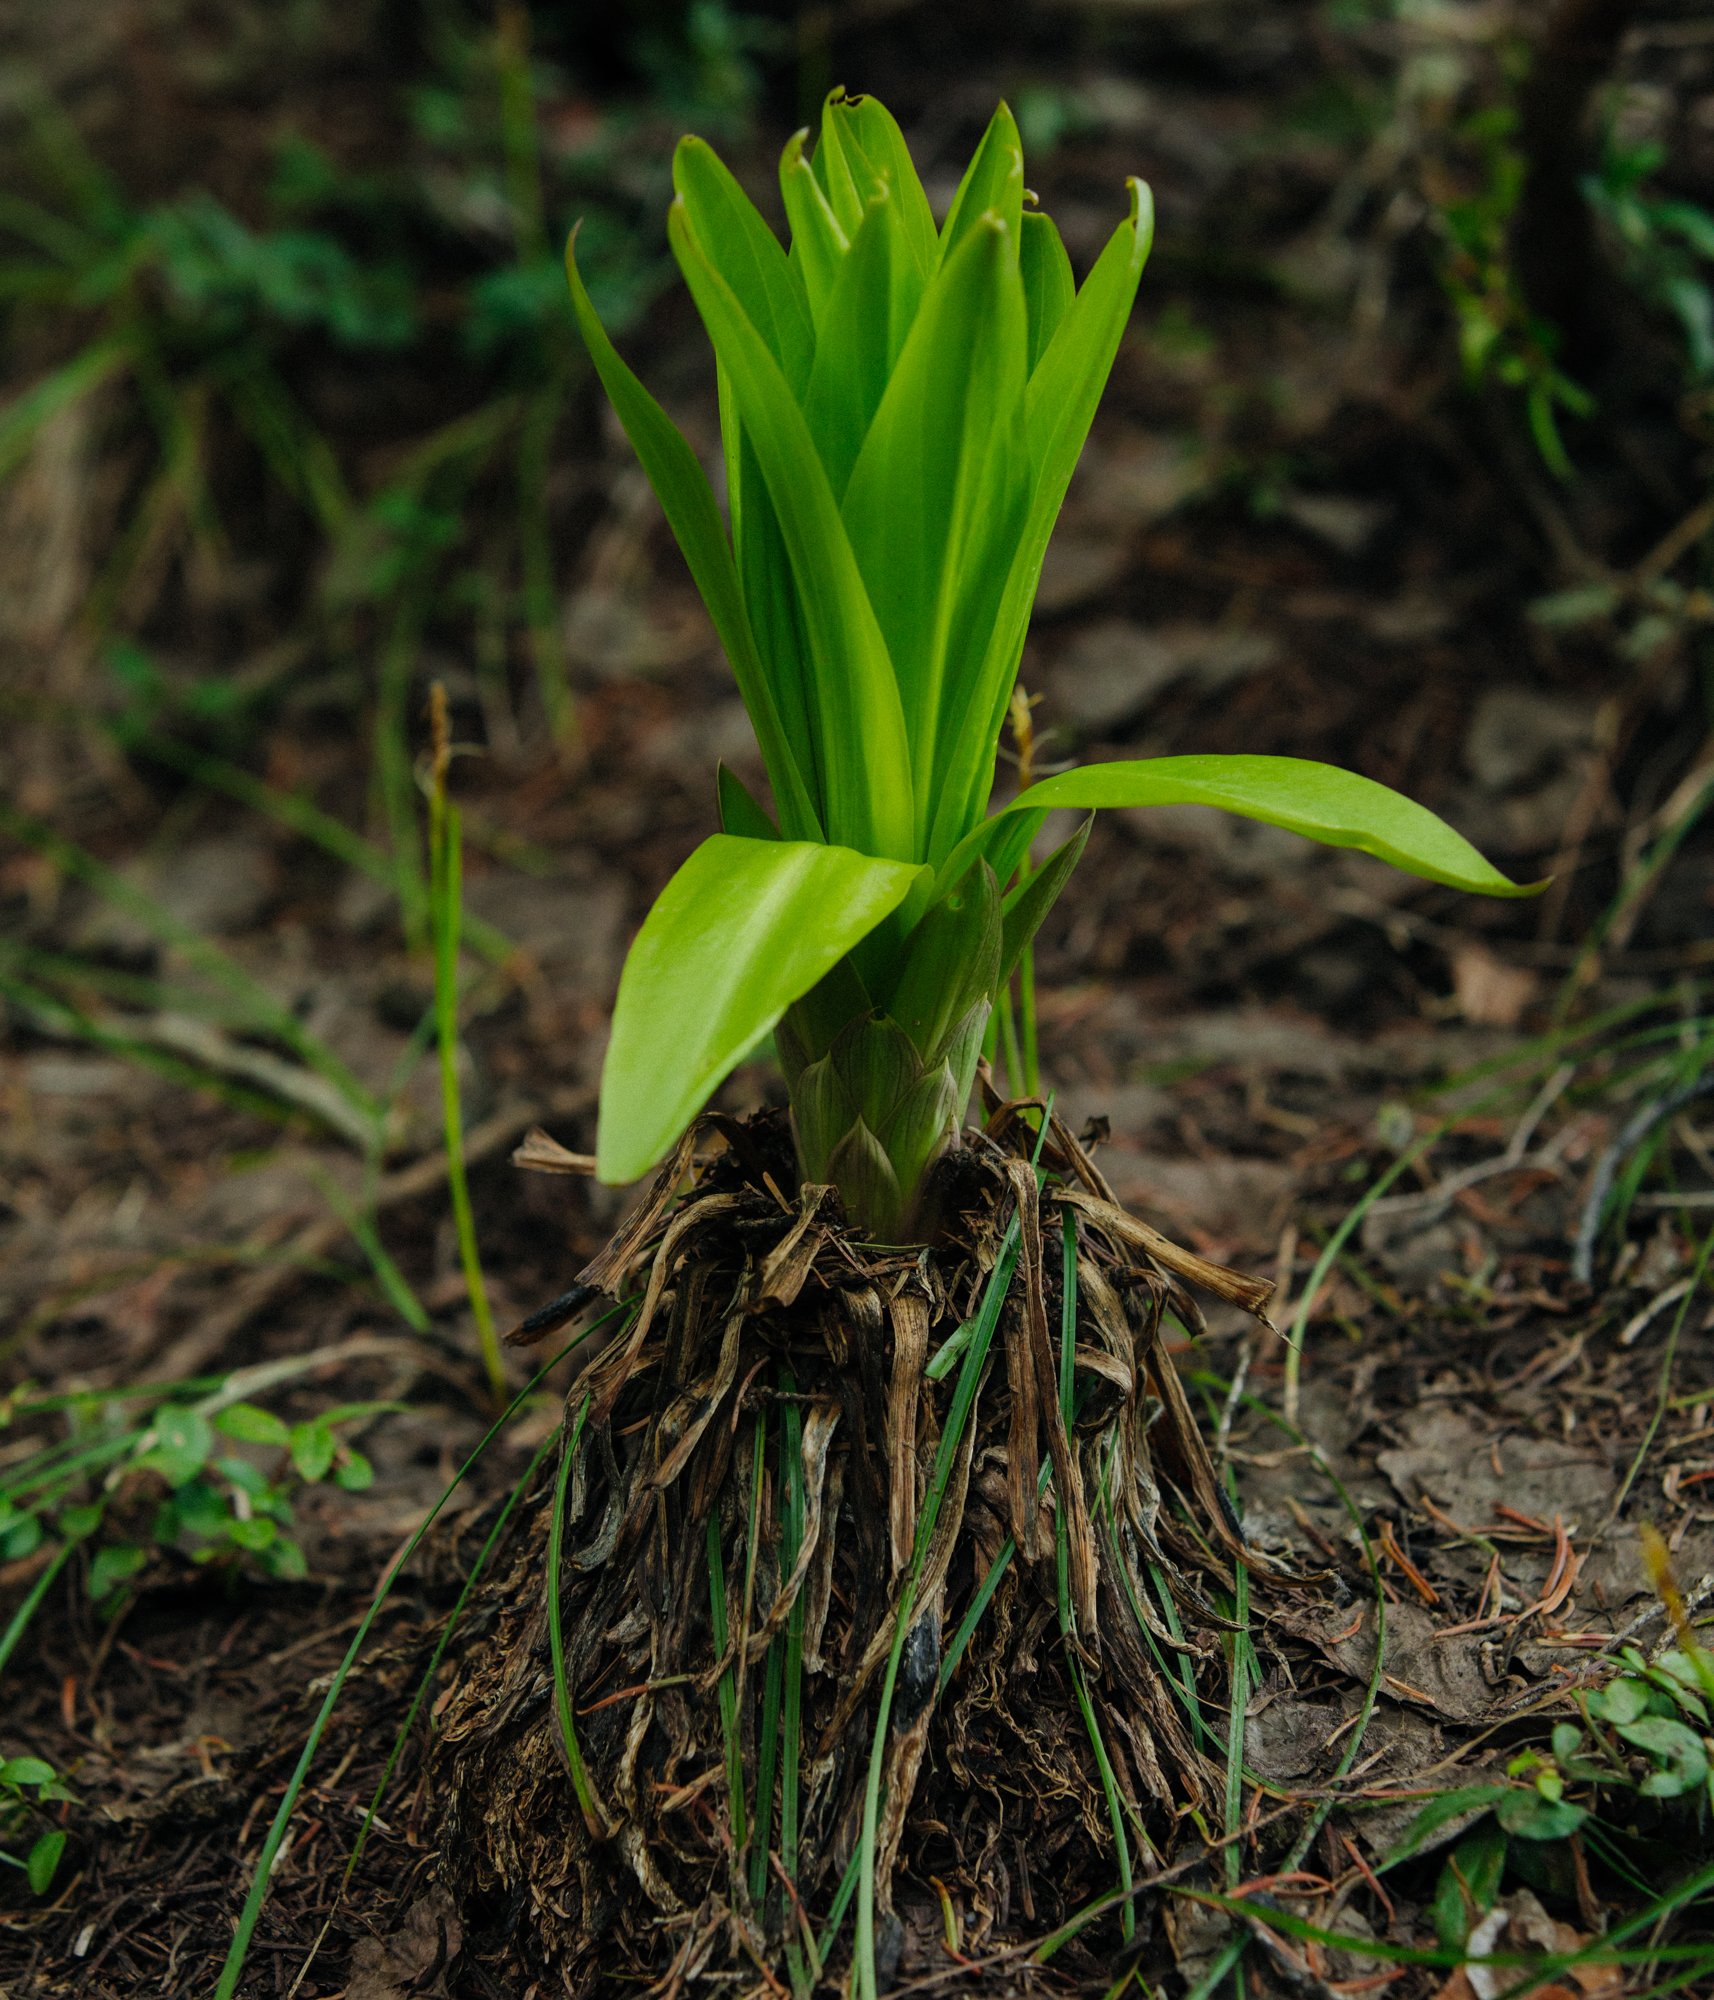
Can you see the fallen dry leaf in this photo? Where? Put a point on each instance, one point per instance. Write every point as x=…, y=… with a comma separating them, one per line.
x=1490, y=994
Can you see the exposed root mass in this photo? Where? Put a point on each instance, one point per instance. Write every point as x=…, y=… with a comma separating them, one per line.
x=759, y=1495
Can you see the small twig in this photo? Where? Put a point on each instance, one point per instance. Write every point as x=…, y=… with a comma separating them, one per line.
x=1431, y=1201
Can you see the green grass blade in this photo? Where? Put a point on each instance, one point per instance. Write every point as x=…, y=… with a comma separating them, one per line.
x=767, y=1735
x=975, y=1357
x=233, y=1968
x=19, y=1622
x=1067, y=1623
x=448, y=1628
x=728, y=1684
x=446, y=899
x=791, y=1711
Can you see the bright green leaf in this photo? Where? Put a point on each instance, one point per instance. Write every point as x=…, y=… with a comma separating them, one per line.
x=993, y=184
x=742, y=930
x=1524, y=1812
x=1049, y=286
x=752, y=260
x=251, y=1425
x=44, y=1860
x=741, y=812
x=1059, y=406
x=684, y=492
x=26, y=1771
x=866, y=129
x=934, y=473
x=354, y=1473
x=183, y=1440
x=1319, y=801
x=818, y=243
x=1679, y=1754
x=312, y=1450
x=867, y=783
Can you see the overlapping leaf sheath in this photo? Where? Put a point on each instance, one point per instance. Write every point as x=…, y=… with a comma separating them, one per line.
x=876, y=1095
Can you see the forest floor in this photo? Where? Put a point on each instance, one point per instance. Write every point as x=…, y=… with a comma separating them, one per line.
x=1298, y=531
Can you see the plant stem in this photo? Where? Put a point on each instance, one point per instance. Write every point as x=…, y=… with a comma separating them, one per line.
x=445, y=897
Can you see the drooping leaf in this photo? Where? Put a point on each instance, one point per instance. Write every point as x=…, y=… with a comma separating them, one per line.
x=1323, y=802
x=684, y=493
x=741, y=931
x=867, y=783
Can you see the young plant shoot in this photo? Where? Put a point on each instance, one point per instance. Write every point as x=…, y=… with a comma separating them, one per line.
x=902, y=406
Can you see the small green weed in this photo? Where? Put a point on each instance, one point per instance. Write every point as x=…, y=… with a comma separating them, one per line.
x=1500, y=338
x=27, y=1786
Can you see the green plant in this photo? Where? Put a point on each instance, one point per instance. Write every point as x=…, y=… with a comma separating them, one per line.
x=1500, y=338
x=1666, y=245
x=119, y=1474
x=1633, y=1779
x=446, y=878
x=902, y=407
x=27, y=1784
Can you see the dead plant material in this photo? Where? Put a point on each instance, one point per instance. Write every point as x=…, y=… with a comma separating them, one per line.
x=762, y=1433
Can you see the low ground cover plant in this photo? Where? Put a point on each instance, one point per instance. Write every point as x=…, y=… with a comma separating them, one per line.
x=902, y=408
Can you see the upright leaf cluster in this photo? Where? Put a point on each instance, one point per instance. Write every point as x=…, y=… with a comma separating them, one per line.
x=901, y=410
x=902, y=406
